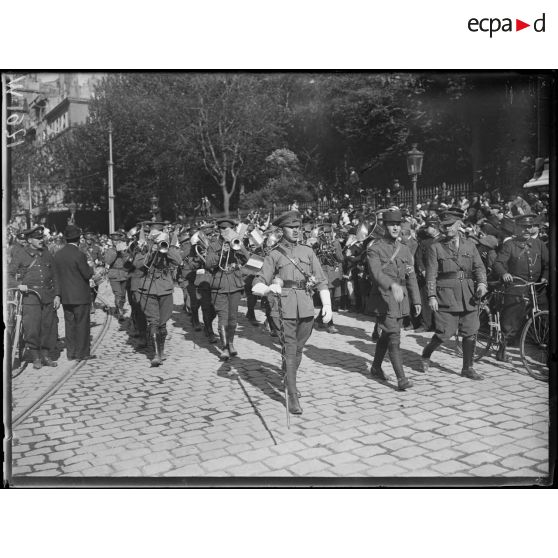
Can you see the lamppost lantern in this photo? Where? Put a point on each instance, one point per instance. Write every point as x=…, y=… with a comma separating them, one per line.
x=414, y=161
x=414, y=168
x=154, y=207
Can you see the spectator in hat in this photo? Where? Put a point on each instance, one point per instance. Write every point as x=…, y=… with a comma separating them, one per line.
x=32, y=269
x=75, y=273
x=455, y=279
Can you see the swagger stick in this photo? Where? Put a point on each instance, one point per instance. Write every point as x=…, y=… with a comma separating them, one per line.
x=279, y=281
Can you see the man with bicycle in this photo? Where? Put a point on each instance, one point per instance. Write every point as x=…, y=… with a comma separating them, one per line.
x=524, y=257
x=33, y=272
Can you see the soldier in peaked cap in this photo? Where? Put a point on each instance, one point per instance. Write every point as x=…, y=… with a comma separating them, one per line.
x=292, y=271
x=115, y=258
x=455, y=280
x=523, y=257
x=32, y=267
x=393, y=283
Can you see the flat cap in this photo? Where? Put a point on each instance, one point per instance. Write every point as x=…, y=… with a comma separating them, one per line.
x=37, y=231
x=288, y=219
x=525, y=220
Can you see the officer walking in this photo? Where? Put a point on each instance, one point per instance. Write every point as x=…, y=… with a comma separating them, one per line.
x=524, y=257
x=453, y=267
x=298, y=269
x=393, y=282
x=32, y=267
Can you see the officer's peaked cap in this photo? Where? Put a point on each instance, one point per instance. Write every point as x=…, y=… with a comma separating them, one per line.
x=392, y=216
x=288, y=219
x=34, y=232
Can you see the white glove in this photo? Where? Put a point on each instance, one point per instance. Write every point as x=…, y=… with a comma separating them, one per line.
x=260, y=289
x=275, y=289
x=397, y=291
x=327, y=313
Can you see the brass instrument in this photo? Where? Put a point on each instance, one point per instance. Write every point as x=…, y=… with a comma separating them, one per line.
x=231, y=241
x=200, y=242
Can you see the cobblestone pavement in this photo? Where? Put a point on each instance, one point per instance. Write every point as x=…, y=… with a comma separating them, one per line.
x=198, y=417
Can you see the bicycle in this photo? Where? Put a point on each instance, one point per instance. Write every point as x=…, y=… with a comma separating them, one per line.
x=14, y=324
x=534, y=336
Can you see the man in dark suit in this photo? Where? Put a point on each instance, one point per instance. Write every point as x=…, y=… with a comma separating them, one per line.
x=74, y=274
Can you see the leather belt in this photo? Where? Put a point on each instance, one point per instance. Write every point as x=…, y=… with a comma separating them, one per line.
x=294, y=284
x=455, y=275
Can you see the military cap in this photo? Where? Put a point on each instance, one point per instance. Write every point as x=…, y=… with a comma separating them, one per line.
x=508, y=226
x=432, y=221
x=118, y=235
x=225, y=222
x=525, y=220
x=37, y=231
x=72, y=232
x=392, y=216
x=489, y=241
x=451, y=216
x=288, y=219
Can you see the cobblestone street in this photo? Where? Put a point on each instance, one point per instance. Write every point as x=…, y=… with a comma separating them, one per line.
x=197, y=417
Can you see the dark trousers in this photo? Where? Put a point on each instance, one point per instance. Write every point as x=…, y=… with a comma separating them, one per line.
x=226, y=306
x=138, y=316
x=78, y=327
x=40, y=326
x=157, y=309
x=119, y=291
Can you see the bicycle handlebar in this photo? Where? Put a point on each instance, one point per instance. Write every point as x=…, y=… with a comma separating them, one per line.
x=27, y=291
x=526, y=283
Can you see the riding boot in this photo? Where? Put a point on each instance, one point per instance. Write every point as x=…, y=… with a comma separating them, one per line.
x=195, y=319
x=397, y=362
x=298, y=361
x=290, y=382
x=162, y=335
x=468, y=344
x=156, y=360
x=231, y=330
x=120, y=311
x=46, y=360
x=36, y=357
x=224, y=350
x=376, y=370
x=433, y=344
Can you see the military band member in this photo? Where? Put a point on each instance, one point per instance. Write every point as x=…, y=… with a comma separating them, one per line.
x=524, y=257
x=136, y=276
x=115, y=257
x=455, y=281
x=393, y=289
x=187, y=278
x=224, y=260
x=32, y=267
x=156, y=290
x=299, y=270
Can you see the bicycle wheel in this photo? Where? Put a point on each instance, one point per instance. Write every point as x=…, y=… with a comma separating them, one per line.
x=534, y=345
x=486, y=336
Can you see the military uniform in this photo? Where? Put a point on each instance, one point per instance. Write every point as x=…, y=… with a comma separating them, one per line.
x=155, y=293
x=226, y=285
x=296, y=297
x=389, y=262
x=451, y=274
x=187, y=279
x=35, y=268
x=117, y=273
x=528, y=259
x=94, y=255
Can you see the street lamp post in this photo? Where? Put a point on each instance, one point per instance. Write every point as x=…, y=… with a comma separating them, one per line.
x=154, y=207
x=414, y=168
x=110, y=183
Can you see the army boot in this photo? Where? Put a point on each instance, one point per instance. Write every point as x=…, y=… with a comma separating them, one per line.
x=224, y=349
x=156, y=360
x=397, y=362
x=231, y=330
x=376, y=368
x=290, y=384
x=161, y=338
x=468, y=344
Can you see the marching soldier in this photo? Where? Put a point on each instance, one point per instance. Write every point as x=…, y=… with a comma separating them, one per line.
x=136, y=276
x=156, y=290
x=115, y=257
x=331, y=259
x=453, y=267
x=524, y=257
x=298, y=269
x=225, y=257
x=393, y=283
x=32, y=267
x=187, y=278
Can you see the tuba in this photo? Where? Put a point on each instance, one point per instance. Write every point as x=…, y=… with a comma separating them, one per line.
x=200, y=242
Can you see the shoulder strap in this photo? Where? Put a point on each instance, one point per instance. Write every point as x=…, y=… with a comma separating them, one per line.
x=282, y=251
x=397, y=248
